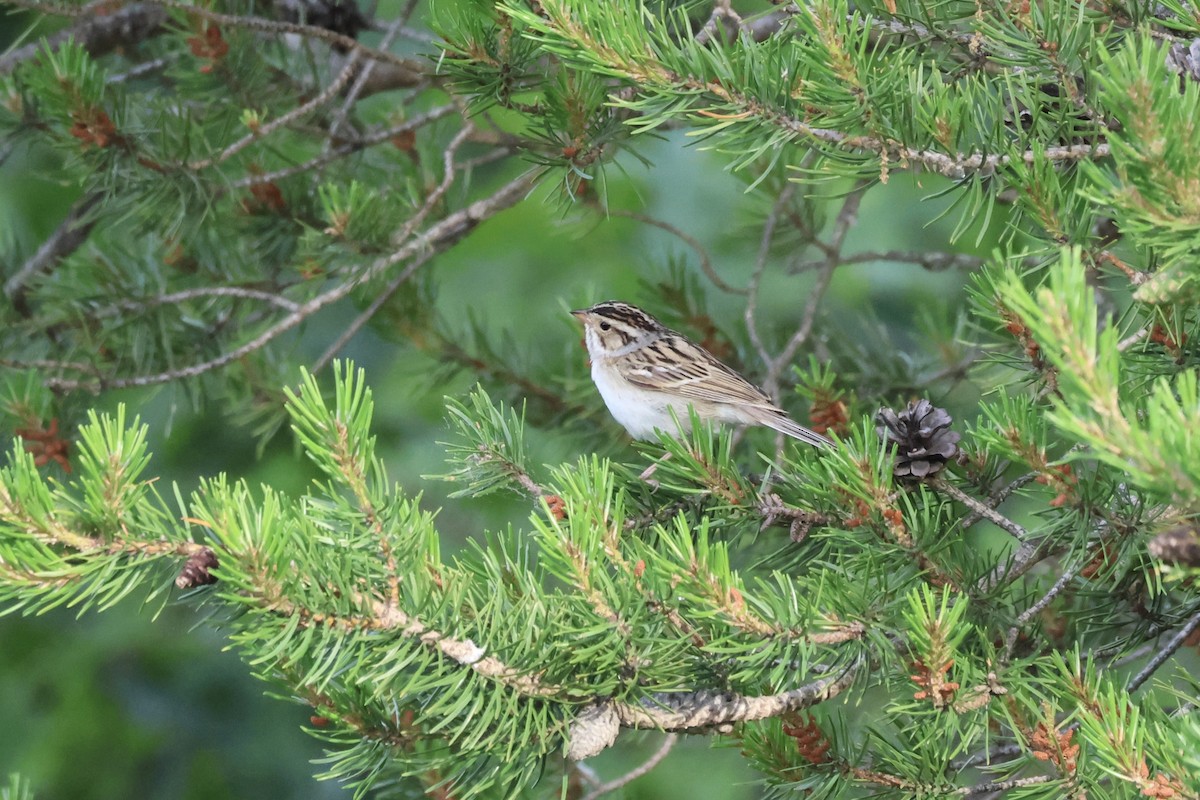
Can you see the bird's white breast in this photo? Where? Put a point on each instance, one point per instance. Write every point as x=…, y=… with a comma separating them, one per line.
x=638, y=410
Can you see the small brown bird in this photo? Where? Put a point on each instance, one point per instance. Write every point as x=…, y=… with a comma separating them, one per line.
x=644, y=371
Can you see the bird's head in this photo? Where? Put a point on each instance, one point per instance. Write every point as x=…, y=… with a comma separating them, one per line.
x=612, y=328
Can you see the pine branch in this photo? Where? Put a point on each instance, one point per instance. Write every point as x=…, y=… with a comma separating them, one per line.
x=69, y=236
x=96, y=33
x=436, y=238
x=1165, y=654
x=557, y=28
x=595, y=729
x=348, y=148
x=987, y=512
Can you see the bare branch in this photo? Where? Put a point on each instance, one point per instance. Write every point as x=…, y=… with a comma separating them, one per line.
x=50, y=364
x=367, y=314
x=705, y=260
x=1132, y=339
x=760, y=265
x=723, y=17
x=1163, y=655
x=1063, y=582
x=138, y=71
x=66, y=239
x=990, y=514
x=367, y=71
x=195, y=294
x=1028, y=554
x=841, y=227
x=433, y=199
x=932, y=261
x=668, y=743
x=997, y=498
x=265, y=130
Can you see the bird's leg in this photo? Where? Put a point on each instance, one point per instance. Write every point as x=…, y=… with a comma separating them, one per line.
x=648, y=473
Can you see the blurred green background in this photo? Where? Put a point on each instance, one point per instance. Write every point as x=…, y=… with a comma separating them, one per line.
x=144, y=702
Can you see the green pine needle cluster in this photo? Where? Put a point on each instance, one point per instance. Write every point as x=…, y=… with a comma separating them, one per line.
x=1004, y=625
x=467, y=672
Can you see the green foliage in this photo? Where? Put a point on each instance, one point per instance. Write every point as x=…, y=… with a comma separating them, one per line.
x=490, y=450
x=1156, y=150
x=343, y=596
x=246, y=195
x=16, y=789
x=1149, y=435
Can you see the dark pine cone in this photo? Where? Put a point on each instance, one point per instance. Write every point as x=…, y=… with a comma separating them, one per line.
x=339, y=16
x=1178, y=545
x=920, y=436
x=196, y=571
x=1185, y=61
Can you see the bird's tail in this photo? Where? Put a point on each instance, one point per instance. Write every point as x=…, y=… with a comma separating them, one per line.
x=786, y=425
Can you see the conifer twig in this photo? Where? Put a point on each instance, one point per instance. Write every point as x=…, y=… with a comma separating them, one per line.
x=706, y=264
x=841, y=227
x=595, y=728
x=664, y=749
x=437, y=237
x=990, y=514
x=1163, y=655
x=1001, y=786
x=96, y=33
x=347, y=148
x=431, y=200
x=70, y=234
x=704, y=709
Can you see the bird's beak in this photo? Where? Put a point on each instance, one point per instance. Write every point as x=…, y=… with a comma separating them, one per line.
x=578, y=313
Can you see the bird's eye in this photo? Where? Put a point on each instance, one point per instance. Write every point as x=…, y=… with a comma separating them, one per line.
x=604, y=326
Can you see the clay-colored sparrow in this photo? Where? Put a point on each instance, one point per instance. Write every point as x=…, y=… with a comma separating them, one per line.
x=644, y=370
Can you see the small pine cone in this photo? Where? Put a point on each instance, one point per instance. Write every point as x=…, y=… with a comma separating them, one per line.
x=1178, y=545
x=1184, y=61
x=339, y=16
x=196, y=571
x=920, y=436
